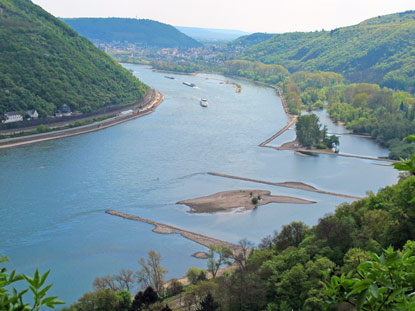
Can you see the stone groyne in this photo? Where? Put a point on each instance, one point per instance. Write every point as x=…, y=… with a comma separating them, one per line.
x=167, y=229
x=288, y=184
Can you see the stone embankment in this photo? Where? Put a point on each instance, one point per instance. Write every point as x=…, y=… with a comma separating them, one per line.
x=151, y=105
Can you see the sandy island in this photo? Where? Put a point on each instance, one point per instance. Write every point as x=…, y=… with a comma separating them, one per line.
x=228, y=200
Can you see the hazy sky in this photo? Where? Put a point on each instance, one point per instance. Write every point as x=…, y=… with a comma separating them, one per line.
x=249, y=15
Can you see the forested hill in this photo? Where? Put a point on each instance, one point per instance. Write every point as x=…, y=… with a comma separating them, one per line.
x=136, y=31
x=380, y=50
x=45, y=64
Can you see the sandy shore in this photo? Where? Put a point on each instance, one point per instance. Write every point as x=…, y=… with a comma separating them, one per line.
x=287, y=184
x=96, y=126
x=228, y=200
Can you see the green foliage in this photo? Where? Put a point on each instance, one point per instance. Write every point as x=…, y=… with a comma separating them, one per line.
x=144, y=300
x=45, y=64
x=218, y=256
x=143, y=32
x=379, y=50
x=102, y=299
x=407, y=165
x=194, y=274
x=385, y=283
x=383, y=114
x=184, y=67
x=43, y=129
x=308, y=130
x=254, y=200
x=256, y=71
x=175, y=287
x=124, y=300
x=13, y=301
x=208, y=304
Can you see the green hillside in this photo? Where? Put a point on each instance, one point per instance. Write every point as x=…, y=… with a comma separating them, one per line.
x=250, y=40
x=45, y=64
x=136, y=31
x=380, y=50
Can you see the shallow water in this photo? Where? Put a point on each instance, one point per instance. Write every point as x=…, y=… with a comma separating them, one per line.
x=54, y=194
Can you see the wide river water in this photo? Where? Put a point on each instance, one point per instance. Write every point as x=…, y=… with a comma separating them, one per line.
x=53, y=195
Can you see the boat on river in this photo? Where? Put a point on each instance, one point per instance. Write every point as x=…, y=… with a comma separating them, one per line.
x=169, y=77
x=204, y=102
x=189, y=84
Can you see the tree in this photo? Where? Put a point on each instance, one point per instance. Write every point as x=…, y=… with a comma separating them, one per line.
x=208, y=304
x=125, y=279
x=308, y=130
x=386, y=283
x=290, y=235
x=408, y=164
x=14, y=301
x=124, y=300
x=175, y=287
x=193, y=274
x=218, y=256
x=104, y=282
x=142, y=300
x=241, y=255
x=151, y=272
x=101, y=299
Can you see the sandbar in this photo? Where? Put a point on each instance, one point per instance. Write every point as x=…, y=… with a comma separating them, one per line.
x=237, y=199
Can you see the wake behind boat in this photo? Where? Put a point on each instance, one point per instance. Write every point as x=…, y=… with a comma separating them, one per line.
x=204, y=102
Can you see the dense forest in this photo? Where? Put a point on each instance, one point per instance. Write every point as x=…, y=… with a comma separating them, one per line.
x=379, y=50
x=45, y=64
x=143, y=32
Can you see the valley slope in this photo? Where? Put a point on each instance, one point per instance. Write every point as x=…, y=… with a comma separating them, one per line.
x=45, y=64
x=379, y=50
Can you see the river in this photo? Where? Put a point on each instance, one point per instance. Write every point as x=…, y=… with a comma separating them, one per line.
x=54, y=194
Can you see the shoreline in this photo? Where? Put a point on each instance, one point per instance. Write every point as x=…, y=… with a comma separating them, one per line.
x=93, y=127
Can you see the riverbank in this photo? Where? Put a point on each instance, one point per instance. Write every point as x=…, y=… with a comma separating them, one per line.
x=154, y=100
x=244, y=200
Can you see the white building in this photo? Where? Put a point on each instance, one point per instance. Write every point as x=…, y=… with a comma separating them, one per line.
x=32, y=114
x=12, y=116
